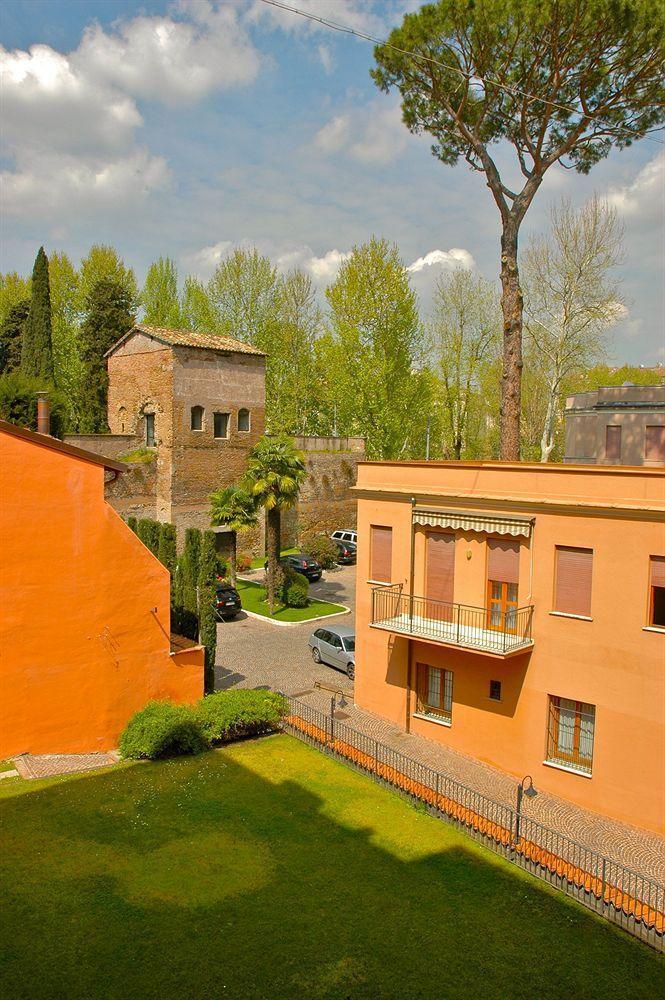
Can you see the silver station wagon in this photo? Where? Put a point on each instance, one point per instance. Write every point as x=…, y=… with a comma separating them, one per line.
x=336, y=646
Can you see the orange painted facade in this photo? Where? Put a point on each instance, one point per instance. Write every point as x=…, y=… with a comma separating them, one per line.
x=84, y=621
x=610, y=663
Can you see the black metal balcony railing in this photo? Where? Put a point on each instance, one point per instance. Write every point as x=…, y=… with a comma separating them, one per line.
x=454, y=624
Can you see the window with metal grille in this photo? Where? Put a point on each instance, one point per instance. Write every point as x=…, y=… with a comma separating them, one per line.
x=434, y=692
x=220, y=425
x=196, y=418
x=243, y=420
x=570, y=733
x=495, y=690
x=657, y=591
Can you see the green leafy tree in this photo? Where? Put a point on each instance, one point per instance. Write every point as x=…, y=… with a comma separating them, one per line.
x=68, y=365
x=236, y=509
x=103, y=263
x=13, y=289
x=466, y=329
x=243, y=293
x=374, y=359
x=108, y=317
x=196, y=309
x=18, y=401
x=289, y=344
x=37, y=350
x=11, y=336
x=559, y=81
x=275, y=472
x=159, y=296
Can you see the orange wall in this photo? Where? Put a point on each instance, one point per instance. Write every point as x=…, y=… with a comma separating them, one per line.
x=80, y=646
x=610, y=661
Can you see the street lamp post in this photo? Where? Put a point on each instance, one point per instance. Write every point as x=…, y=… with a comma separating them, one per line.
x=523, y=789
x=333, y=705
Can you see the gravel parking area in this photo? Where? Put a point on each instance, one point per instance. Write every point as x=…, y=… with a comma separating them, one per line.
x=253, y=653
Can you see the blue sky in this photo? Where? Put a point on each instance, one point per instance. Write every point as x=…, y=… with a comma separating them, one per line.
x=188, y=128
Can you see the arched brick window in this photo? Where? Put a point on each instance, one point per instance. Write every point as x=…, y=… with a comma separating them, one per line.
x=243, y=420
x=196, y=418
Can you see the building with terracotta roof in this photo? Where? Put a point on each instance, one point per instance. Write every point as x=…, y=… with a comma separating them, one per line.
x=85, y=624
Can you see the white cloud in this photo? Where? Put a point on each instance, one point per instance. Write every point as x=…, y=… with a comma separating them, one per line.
x=351, y=13
x=645, y=193
x=175, y=61
x=373, y=135
x=326, y=57
x=204, y=261
x=322, y=269
x=445, y=259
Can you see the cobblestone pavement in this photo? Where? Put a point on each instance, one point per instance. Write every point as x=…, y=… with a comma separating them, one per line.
x=47, y=765
x=251, y=653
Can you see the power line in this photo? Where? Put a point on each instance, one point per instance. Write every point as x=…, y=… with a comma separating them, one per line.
x=469, y=77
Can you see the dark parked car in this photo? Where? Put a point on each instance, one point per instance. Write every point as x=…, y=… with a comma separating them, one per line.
x=346, y=552
x=302, y=564
x=335, y=646
x=227, y=600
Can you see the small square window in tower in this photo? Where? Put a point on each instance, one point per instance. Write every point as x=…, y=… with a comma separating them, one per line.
x=243, y=420
x=150, y=430
x=221, y=425
x=196, y=418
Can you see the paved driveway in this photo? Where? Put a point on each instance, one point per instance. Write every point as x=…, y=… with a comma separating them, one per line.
x=252, y=653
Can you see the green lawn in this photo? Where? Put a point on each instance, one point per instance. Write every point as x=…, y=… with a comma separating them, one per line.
x=266, y=870
x=259, y=562
x=253, y=599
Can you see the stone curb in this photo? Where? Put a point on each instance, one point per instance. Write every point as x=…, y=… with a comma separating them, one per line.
x=307, y=621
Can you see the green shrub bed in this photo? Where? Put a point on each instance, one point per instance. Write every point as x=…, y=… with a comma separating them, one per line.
x=162, y=729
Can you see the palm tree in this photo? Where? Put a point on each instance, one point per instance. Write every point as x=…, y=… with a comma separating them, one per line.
x=235, y=508
x=274, y=474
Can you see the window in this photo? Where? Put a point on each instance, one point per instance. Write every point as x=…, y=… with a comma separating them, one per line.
x=495, y=690
x=243, y=420
x=503, y=565
x=654, y=444
x=613, y=443
x=196, y=418
x=150, y=430
x=570, y=733
x=220, y=425
x=657, y=591
x=572, y=589
x=434, y=692
x=381, y=549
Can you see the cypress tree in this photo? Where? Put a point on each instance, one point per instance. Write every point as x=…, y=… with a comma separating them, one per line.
x=11, y=336
x=166, y=550
x=37, y=349
x=108, y=317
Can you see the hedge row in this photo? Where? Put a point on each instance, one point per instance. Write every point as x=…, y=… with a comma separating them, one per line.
x=163, y=729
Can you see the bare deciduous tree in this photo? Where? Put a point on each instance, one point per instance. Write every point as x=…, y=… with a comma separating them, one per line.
x=571, y=296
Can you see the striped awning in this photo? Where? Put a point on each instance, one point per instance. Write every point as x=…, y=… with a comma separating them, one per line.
x=489, y=524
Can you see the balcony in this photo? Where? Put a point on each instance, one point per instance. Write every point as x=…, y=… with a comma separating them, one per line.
x=499, y=634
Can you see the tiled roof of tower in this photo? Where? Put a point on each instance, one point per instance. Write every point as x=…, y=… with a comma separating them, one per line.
x=190, y=338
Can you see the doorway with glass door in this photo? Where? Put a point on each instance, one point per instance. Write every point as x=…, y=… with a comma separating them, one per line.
x=503, y=558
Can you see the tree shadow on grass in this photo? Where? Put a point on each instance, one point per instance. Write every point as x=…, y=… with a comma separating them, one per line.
x=270, y=871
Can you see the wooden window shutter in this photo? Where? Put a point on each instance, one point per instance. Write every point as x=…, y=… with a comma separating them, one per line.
x=657, y=571
x=654, y=444
x=503, y=560
x=613, y=443
x=440, y=582
x=381, y=554
x=574, y=569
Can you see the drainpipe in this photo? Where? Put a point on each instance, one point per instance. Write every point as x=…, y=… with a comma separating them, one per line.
x=411, y=578
x=43, y=413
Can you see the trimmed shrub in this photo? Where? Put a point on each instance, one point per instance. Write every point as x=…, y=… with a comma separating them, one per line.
x=162, y=729
x=321, y=548
x=296, y=591
x=184, y=622
x=188, y=569
x=166, y=547
x=149, y=531
x=132, y=524
x=232, y=715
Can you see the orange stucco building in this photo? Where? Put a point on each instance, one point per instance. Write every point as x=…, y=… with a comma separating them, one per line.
x=84, y=606
x=516, y=613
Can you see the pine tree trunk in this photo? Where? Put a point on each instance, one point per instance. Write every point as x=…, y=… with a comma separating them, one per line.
x=511, y=305
x=273, y=531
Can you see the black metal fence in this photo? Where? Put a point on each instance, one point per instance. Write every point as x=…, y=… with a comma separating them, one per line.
x=634, y=902
x=484, y=628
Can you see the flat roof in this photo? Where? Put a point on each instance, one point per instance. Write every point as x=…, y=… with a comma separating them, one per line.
x=46, y=441
x=497, y=464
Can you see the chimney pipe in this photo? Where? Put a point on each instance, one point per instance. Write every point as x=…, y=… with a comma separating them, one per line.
x=43, y=413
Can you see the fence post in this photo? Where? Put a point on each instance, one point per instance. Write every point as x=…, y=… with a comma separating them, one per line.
x=602, y=888
x=438, y=777
x=459, y=612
